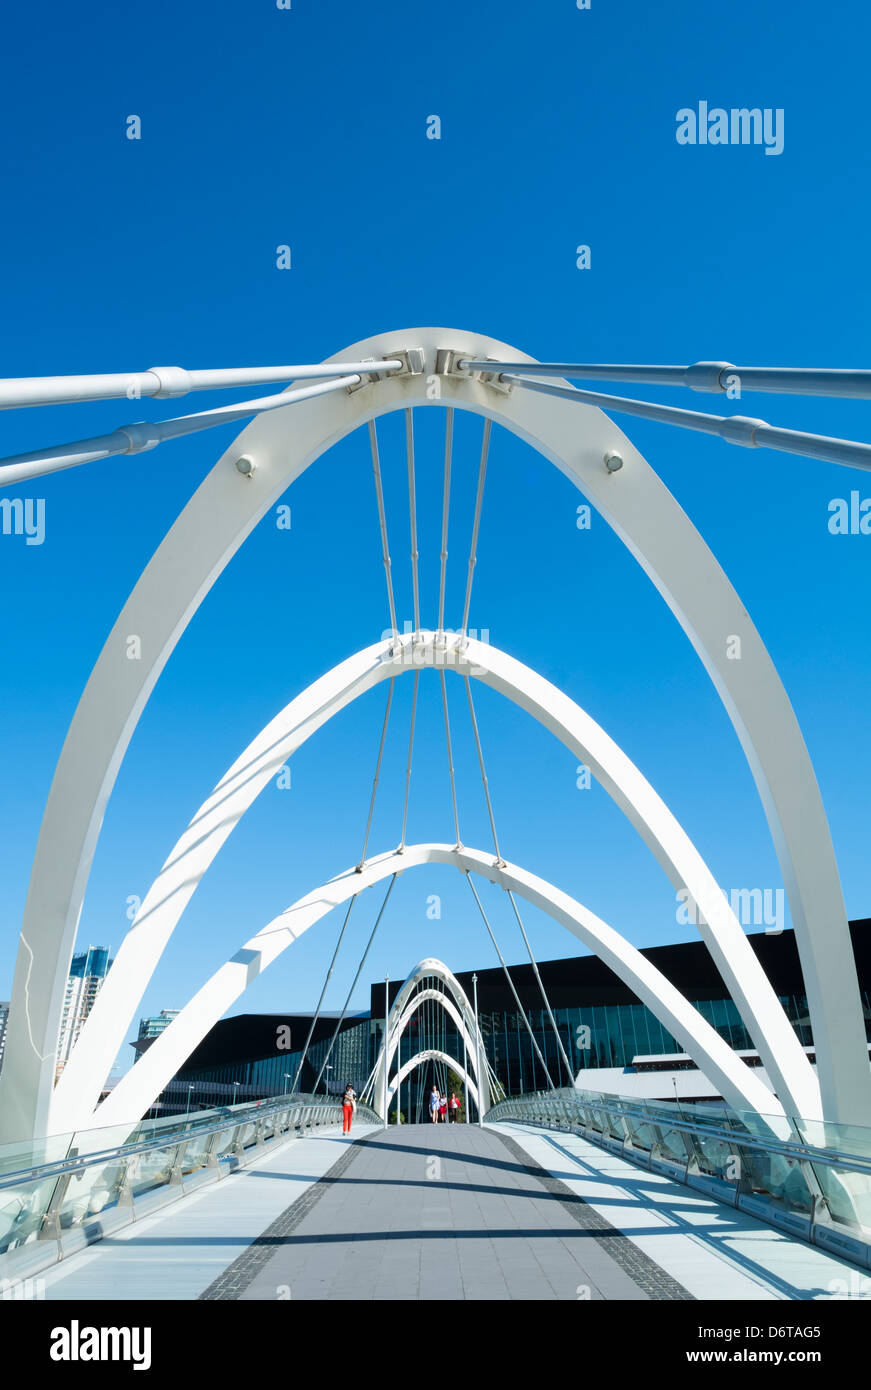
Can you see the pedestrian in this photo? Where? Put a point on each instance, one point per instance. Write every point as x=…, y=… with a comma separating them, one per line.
x=434, y=1104
x=349, y=1105
x=455, y=1107
x=443, y=1107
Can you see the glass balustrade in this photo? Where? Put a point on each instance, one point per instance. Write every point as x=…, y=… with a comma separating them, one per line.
x=810, y=1171
x=93, y=1180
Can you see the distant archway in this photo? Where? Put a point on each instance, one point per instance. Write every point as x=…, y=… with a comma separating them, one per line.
x=456, y=1004
x=432, y=1055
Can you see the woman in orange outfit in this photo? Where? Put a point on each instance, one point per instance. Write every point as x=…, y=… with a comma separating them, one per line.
x=348, y=1106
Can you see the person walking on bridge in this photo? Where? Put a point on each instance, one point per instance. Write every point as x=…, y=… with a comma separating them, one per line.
x=454, y=1107
x=434, y=1099
x=349, y=1105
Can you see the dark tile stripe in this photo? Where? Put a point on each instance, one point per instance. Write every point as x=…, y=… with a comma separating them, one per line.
x=245, y=1268
x=646, y=1273
x=648, y=1276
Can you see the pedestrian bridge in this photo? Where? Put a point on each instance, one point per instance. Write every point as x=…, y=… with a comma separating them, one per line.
x=567, y=1195
x=271, y=1202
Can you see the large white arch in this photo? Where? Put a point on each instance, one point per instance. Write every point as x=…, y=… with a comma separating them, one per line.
x=221, y=514
x=433, y=1054
x=83, y=1077
x=138, y=1089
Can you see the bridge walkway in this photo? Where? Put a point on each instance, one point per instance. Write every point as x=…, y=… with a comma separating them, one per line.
x=448, y=1212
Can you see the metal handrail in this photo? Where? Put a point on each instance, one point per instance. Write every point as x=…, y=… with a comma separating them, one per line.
x=171, y=1136
x=795, y=1150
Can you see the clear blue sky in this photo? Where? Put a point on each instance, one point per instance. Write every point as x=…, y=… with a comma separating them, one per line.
x=262, y=127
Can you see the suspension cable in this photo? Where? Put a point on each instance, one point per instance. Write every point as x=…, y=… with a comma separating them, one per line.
x=317, y=1012
x=377, y=775
x=354, y=898
x=520, y=1007
x=412, y=512
x=500, y=861
x=401, y=849
x=382, y=519
x=553, y=1023
x=354, y=983
x=479, y=498
x=450, y=758
x=446, y=502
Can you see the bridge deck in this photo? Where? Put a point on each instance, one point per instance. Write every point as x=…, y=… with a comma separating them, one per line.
x=442, y=1212
x=447, y=1212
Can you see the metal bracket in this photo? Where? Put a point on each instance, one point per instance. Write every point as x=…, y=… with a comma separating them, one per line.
x=447, y=363
x=366, y=378
x=493, y=379
x=413, y=360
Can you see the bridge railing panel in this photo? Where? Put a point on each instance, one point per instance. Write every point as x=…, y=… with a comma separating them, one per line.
x=65, y=1192
x=810, y=1178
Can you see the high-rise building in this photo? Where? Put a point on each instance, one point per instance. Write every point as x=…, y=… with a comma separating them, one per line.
x=4, y=1022
x=151, y=1028
x=87, y=973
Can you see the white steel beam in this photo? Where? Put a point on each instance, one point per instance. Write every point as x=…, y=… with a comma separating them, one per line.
x=161, y=382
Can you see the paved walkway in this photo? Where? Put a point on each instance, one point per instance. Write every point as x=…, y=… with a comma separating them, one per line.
x=442, y=1212
x=714, y=1250
x=448, y=1212
x=176, y=1252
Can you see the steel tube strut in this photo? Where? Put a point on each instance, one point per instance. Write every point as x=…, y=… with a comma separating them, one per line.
x=18, y=392
x=702, y=376
x=139, y=437
x=737, y=429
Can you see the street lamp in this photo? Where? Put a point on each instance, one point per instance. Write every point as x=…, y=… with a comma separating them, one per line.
x=236, y=1085
x=328, y=1067
x=188, y=1107
x=479, y=1077
x=287, y=1077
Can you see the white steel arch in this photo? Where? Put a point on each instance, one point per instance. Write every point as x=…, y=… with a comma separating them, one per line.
x=456, y=1004
x=83, y=1077
x=433, y=1054
x=397, y=1028
x=141, y=1085
x=639, y=507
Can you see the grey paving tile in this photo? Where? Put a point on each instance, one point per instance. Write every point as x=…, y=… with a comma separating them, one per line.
x=494, y=1226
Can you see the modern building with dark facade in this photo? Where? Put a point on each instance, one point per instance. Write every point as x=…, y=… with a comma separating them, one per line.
x=613, y=1041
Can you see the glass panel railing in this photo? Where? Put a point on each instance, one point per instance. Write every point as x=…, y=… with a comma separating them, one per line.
x=818, y=1172
x=21, y=1212
x=74, y=1180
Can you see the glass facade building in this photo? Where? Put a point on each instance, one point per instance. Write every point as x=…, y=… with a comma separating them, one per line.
x=601, y=1026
